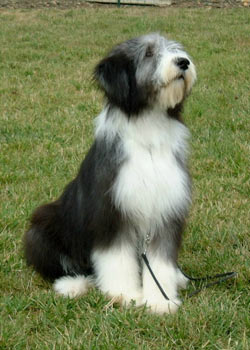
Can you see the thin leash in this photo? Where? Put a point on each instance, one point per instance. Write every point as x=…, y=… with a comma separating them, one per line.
x=221, y=277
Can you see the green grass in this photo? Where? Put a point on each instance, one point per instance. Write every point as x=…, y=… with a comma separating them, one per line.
x=47, y=106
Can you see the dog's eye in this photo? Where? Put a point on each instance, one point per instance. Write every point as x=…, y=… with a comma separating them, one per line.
x=149, y=51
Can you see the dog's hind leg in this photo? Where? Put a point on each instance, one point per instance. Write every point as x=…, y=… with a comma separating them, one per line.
x=42, y=242
x=40, y=254
x=72, y=286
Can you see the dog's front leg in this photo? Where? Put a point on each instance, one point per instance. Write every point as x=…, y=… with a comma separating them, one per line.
x=167, y=274
x=117, y=272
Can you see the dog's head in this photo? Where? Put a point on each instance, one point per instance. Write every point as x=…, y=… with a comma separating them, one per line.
x=146, y=72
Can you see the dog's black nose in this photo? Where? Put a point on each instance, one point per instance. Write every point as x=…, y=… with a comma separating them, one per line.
x=183, y=63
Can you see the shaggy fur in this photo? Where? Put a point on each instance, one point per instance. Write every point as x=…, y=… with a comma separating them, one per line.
x=133, y=182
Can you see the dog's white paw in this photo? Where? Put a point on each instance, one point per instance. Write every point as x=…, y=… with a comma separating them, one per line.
x=136, y=298
x=126, y=299
x=70, y=286
x=163, y=306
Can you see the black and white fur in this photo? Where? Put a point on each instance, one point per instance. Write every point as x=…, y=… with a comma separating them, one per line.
x=133, y=182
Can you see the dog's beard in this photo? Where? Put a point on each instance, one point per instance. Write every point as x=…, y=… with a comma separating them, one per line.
x=173, y=92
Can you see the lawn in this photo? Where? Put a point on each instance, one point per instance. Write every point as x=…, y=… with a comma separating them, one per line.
x=47, y=105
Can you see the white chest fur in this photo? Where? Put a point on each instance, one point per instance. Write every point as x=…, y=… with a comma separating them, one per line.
x=151, y=185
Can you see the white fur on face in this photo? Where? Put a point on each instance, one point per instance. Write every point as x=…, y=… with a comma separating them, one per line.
x=173, y=90
x=172, y=94
x=117, y=272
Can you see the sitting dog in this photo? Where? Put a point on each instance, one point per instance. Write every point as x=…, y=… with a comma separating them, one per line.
x=133, y=189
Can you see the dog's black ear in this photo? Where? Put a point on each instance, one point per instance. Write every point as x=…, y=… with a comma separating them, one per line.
x=116, y=76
